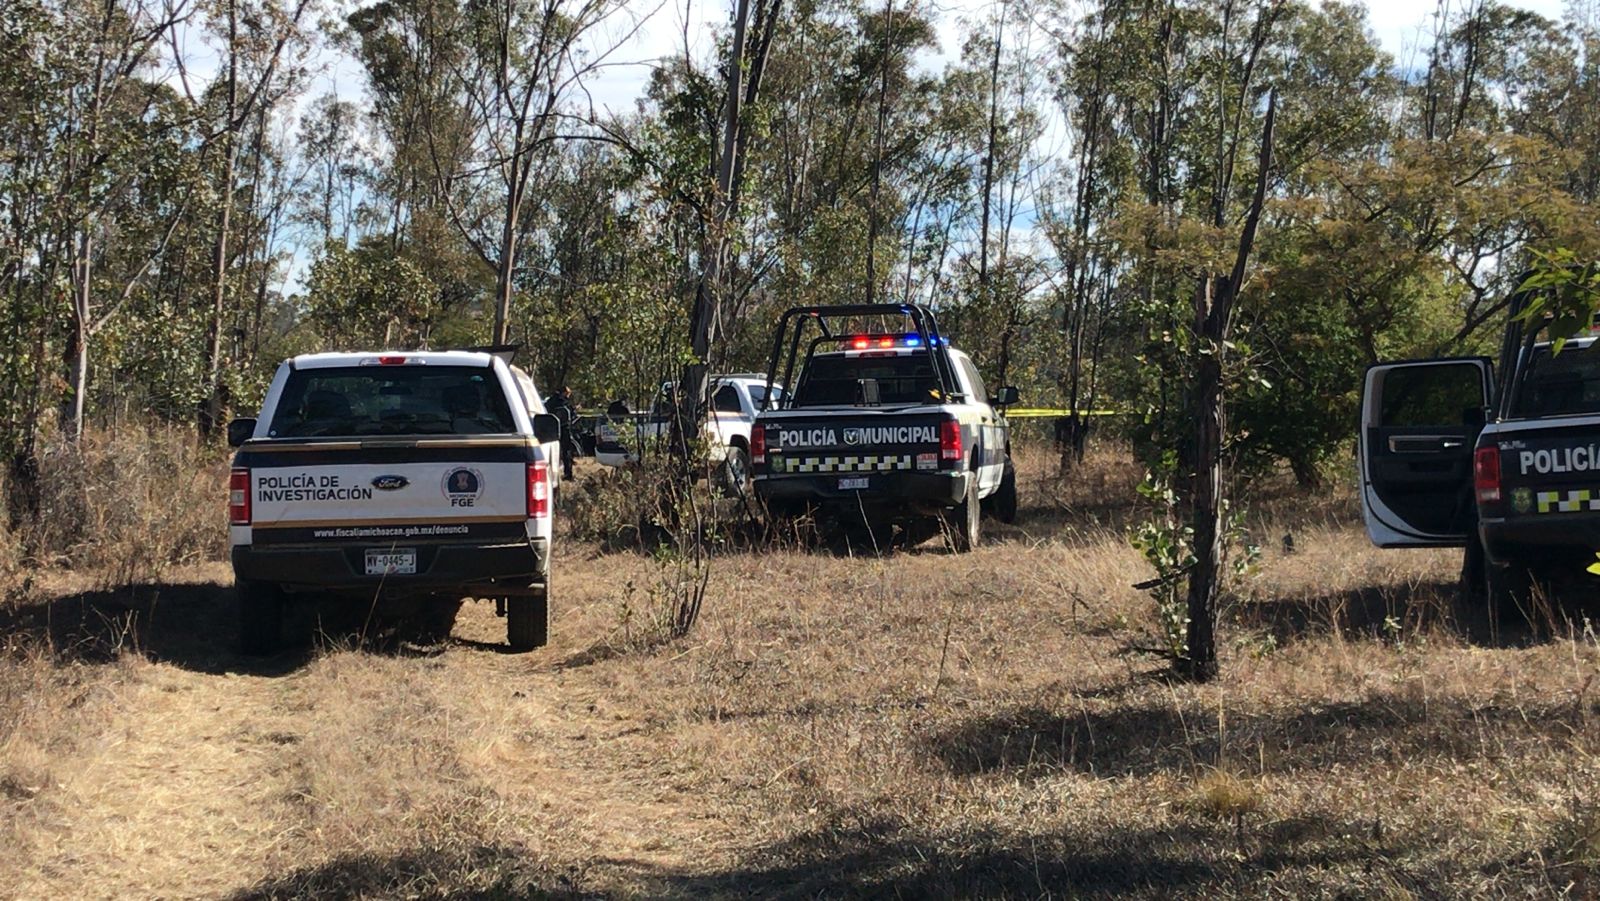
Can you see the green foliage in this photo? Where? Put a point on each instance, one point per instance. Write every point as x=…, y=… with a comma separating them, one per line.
x=366, y=297
x=1563, y=289
x=1166, y=540
x=1404, y=206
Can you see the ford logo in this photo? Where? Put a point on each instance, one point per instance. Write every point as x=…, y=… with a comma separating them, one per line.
x=390, y=483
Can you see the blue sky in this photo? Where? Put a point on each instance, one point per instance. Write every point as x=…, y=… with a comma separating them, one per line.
x=1402, y=25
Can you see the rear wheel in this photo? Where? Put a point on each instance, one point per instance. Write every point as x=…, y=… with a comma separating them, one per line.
x=919, y=530
x=260, y=617
x=1005, y=497
x=528, y=621
x=1508, y=594
x=734, y=474
x=436, y=619
x=965, y=521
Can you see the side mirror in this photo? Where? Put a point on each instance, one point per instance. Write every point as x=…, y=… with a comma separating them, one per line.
x=1007, y=396
x=546, y=428
x=240, y=430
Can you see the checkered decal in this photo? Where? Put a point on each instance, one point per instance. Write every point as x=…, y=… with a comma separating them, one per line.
x=868, y=463
x=1568, y=501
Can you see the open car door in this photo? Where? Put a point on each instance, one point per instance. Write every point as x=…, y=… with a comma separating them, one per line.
x=1419, y=422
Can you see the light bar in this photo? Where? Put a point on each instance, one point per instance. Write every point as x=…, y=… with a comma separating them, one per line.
x=865, y=342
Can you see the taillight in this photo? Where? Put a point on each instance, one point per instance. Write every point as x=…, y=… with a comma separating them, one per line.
x=950, y=440
x=239, y=497
x=391, y=361
x=538, y=490
x=758, y=444
x=1486, y=474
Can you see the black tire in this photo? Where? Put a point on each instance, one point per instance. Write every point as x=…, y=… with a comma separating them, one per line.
x=436, y=620
x=1508, y=594
x=790, y=522
x=1470, y=605
x=528, y=621
x=260, y=618
x=1005, y=497
x=866, y=538
x=920, y=530
x=965, y=522
x=733, y=476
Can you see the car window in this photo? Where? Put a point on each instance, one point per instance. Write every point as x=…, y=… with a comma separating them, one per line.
x=1428, y=396
x=758, y=396
x=530, y=395
x=1560, y=384
x=392, y=400
x=979, y=393
x=726, y=400
x=835, y=380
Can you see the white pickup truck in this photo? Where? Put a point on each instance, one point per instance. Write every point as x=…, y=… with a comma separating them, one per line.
x=735, y=401
x=395, y=475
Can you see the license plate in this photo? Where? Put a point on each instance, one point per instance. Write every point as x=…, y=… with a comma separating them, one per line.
x=856, y=484
x=391, y=563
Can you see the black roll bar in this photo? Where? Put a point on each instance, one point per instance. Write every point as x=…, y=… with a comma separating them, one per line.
x=793, y=322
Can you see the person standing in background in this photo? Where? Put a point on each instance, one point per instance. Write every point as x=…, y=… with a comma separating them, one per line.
x=562, y=408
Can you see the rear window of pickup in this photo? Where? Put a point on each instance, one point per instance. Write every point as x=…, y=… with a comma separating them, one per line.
x=391, y=400
x=835, y=380
x=1560, y=384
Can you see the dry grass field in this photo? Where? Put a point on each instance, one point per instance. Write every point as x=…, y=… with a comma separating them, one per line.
x=916, y=725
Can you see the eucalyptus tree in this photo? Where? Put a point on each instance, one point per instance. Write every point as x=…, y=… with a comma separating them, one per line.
x=518, y=62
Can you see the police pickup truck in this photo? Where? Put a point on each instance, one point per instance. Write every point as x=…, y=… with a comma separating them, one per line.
x=1507, y=465
x=735, y=401
x=887, y=425
x=424, y=476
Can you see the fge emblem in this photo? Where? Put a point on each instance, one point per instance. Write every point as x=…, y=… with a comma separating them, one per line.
x=463, y=486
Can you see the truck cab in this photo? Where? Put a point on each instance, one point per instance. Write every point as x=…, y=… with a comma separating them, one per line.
x=1500, y=459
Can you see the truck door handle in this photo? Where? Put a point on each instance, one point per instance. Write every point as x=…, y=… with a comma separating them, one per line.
x=1423, y=444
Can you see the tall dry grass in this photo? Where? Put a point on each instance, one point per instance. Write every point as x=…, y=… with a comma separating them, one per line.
x=915, y=724
x=12, y=557
x=124, y=504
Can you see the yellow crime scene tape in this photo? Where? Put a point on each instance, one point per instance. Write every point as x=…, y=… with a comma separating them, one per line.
x=1050, y=412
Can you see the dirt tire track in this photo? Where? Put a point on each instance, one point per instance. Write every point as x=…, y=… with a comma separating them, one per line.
x=168, y=799
x=359, y=770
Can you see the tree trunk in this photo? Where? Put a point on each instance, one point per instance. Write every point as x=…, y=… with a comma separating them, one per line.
x=211, y=410
x=988, y=156
x=505, y=269
x=873, y=218
x=705, y=323
x=1213, y=309
x=76, y=353
x=1201, y=663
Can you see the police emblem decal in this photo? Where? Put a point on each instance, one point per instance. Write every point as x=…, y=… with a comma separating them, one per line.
x=463, y=486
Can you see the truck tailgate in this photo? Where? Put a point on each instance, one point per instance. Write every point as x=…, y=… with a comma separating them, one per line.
x=1549, y=468
x=372, y=483
x=902, y=440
